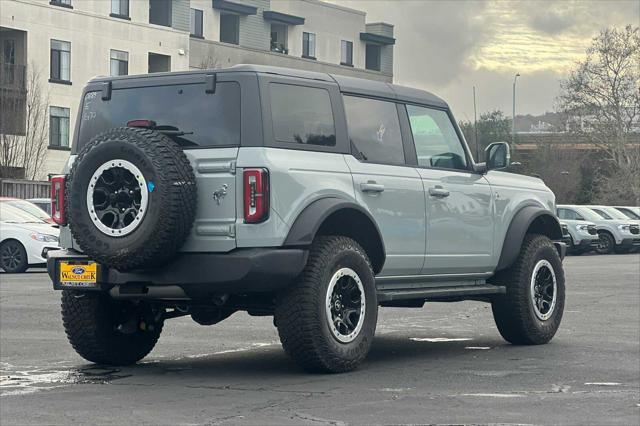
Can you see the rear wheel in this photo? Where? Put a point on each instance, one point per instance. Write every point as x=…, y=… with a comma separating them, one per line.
x=531, y=310
x=106, y=331
x=13, y=257
x=606, y=244
x=327, y=320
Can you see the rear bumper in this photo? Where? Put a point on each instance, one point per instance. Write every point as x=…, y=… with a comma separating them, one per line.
x=198, y=275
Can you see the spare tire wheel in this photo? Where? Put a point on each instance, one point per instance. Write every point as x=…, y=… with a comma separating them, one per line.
x=131, y=198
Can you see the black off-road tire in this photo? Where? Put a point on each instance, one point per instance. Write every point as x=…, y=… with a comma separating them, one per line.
x=172, y=199
x=90, y=321
x=514, y=312
x=300, y=310
x=607, y=243
x=13, y=257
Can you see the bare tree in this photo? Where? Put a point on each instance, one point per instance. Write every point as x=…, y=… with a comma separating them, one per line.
x=602, y=94
x=24, y=127
x=493, y=126
x=210, y=63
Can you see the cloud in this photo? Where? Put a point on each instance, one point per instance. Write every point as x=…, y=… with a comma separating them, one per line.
x=447, y=47
x=551, y=22
x=435, y=39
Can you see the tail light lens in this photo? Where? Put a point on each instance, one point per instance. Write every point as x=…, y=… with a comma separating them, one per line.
x=57, y=199
x=256, y=195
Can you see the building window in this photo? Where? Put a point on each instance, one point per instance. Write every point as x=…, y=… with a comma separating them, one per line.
x=372, y=57
x=159, y=63
x=346, y=53
x=8, y=71
x=279, y=38
x=309, y=45
x=63, y=3
x=60, y=61
x=119, y=62
x=59, y=127
x=196, y=23
x=229, y=28
x=160, y=12
x=120, y=8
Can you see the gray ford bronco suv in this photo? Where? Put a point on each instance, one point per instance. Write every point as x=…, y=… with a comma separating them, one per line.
x=311, y=197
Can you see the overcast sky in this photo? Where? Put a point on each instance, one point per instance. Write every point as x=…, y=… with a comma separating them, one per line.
x=447, y=47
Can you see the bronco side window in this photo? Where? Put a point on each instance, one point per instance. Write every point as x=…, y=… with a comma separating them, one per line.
x=437, y=143
x=374, y=130
x=302, y=115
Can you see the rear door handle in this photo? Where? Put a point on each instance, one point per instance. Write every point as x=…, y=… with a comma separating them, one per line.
x=438, y=191
x=371, y=186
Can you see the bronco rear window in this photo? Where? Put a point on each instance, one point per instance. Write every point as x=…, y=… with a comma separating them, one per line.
x=184, y=112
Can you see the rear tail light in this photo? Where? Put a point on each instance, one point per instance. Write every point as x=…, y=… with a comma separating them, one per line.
x=256, y=195
x=57, y=199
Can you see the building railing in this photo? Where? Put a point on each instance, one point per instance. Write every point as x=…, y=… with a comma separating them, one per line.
x=20, y=188
x=13, y=76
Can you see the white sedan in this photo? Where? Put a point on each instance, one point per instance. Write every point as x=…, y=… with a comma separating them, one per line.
x=25, y=239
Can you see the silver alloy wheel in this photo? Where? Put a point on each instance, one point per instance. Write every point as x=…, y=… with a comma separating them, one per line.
x=544, y=290
x=345, y=305
x=117, y=198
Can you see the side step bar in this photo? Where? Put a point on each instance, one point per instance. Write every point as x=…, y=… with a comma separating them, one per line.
x=436, y=293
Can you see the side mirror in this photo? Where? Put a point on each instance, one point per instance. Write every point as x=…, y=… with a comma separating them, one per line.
x=497, y=155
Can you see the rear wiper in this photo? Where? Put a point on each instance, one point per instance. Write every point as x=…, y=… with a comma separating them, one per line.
x=174, y=132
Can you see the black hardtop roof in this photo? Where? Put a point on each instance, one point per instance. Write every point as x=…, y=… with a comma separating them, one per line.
x=359, y=86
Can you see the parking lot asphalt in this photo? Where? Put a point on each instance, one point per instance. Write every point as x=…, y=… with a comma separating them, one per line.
x=442, y=364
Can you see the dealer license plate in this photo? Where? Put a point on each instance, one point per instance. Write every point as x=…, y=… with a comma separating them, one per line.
x=78, y=274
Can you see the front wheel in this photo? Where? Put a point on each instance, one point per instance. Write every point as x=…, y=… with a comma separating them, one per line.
x=327, y=319
x=606, y=244
x=531, y=310
x=13, y=257
x=107, y=331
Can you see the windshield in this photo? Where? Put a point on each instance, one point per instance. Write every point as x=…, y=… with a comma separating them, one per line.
x=630, y=214
x=602, y=214
x=588, y=214
x=29, y=208
x=12, y=214
x=614, y=213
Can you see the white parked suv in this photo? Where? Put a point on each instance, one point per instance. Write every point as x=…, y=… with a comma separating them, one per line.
x=617, y=233
x=583, y=235
x=315, y=198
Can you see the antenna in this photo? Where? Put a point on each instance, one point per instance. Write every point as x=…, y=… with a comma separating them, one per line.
x=475, y=126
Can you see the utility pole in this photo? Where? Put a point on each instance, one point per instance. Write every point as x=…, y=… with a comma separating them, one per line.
x=475, y=126
x=513, y=120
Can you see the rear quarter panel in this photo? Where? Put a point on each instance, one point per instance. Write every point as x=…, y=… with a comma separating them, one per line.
x=297, y=178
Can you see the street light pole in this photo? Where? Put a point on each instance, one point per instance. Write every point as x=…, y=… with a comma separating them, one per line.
x=513, y=120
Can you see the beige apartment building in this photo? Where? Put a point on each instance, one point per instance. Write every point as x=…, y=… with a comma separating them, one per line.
x=67, y=42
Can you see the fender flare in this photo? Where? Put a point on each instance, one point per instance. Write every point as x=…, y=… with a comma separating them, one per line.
x=309, y=221
x=518, y=227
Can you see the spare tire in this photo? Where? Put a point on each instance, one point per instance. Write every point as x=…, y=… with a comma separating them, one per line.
x=131, y=198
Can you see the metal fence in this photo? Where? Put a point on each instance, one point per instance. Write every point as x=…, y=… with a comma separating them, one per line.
x=18, y=188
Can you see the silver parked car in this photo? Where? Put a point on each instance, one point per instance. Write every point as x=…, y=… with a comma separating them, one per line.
x=619, y=235
x=311, y=197
x=583, y=235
